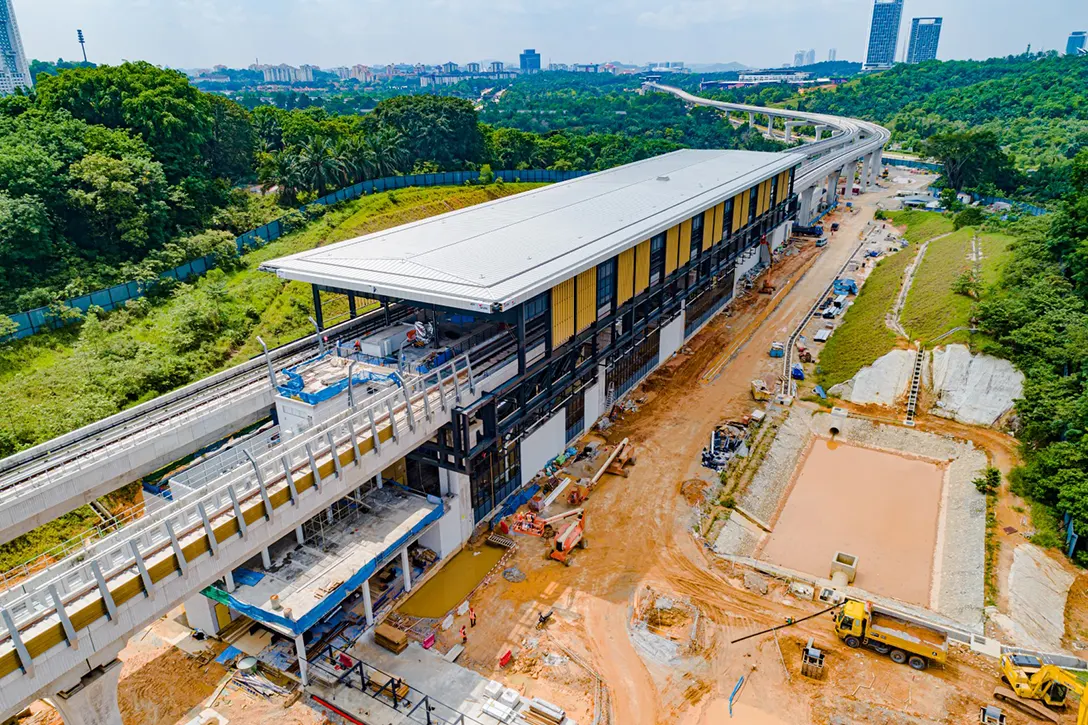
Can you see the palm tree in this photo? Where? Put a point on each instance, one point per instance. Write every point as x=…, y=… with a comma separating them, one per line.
x=387, y=152
x=318, y=166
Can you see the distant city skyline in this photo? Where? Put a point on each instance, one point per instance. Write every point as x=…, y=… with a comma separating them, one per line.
x=343, y=33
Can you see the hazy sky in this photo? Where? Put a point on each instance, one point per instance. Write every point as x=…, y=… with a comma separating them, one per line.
x=199, y=33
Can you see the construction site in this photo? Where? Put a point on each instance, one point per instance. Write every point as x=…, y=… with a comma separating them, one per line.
x=590, y=486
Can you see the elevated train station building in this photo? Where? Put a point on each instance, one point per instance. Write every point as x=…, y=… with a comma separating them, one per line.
x=492, y=338
x=575, y=291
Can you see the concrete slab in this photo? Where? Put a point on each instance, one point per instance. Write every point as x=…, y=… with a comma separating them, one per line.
x=302, y=576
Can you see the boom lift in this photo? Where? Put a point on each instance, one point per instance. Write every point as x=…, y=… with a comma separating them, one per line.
x=571, y=536
x=1028, y=682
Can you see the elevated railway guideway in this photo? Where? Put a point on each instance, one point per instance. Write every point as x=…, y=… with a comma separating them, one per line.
x=829, y=158
x=61, y=630
x=41, y=483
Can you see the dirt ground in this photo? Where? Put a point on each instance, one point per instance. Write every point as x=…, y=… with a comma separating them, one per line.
x=162, y=685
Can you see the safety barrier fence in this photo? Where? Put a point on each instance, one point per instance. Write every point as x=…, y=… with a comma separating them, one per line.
x=336, y=667
x=40, y=613
x=34, y=321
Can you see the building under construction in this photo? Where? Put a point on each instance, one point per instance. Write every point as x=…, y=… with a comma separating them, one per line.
x=564, y=298
x=545, y=307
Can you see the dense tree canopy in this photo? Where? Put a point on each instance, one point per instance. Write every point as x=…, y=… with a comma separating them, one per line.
x=1038, y=316
x=1036, y=106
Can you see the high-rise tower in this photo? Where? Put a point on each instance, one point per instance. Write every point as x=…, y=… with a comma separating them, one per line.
x=884, y=34
x=14, y=71
x=925, y=35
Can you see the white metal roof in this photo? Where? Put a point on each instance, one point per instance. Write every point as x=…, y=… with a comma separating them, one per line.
x=495, y=255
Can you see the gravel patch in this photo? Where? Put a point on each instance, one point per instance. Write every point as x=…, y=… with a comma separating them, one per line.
x=959, y=566
x=764, y=493
x=659, y=649
x=737, y=538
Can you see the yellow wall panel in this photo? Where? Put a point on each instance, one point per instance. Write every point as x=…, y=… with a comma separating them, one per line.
x=746, y=206
x=672, y=245
x=642, y=267
x=587, y=298
x=685, y=243
x=764, y=197
x=562, y=312
x=625, y=276
x=738, y=212
x=715, y=231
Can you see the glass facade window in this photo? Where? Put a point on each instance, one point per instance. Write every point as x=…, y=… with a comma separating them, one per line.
x=657, y=259
x=774, y=191
x=753, y=203
x=697, y=231
x=727, y=226
x=606, y=284
x=536, y=307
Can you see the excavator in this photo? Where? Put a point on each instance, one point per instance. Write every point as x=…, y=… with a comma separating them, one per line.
x=1028, y=682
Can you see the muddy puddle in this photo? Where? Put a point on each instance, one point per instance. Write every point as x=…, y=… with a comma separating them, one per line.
x=449, y=587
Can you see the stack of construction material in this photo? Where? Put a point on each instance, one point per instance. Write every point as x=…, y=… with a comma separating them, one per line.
x=393, y=639
x=542, y=712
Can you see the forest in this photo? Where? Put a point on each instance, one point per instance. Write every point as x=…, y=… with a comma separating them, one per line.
x=110, y=174
x=1038, y=317
x=601, y=103
x=1036, y=106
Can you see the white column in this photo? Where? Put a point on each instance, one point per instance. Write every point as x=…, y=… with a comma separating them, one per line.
x=867, y=171
x=94, y=700
x=751, y=119
x=228, y=577
x=299, y=536
x=832, y=187
x=200, y=614
x=329, y=515
x=266, y=558
x=847, y=177
x=303, y=665
x=368, y=604
x=804, y=214
x=378, y=481
x=406, y=569
x=819, y=132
